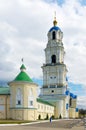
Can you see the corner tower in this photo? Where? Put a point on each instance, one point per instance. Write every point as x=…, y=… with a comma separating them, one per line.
x=54, y=69
x=23, y=94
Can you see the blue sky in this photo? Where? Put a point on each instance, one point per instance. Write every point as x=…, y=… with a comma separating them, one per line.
x=59, y=2
x=83, y=2
x=23, y=34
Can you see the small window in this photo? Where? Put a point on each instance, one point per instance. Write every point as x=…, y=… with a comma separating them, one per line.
x=19, y=102
x=67, y=106
x=38, y=106
x=31, y=103
x=41, y=106
x=52, y=86
x=53, y=35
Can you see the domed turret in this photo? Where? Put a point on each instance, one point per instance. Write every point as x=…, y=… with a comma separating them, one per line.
x=55, y=32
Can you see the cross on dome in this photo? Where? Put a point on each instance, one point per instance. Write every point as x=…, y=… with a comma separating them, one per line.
x=55, y=21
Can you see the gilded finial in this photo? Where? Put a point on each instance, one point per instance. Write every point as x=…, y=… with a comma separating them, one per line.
x=55, y=22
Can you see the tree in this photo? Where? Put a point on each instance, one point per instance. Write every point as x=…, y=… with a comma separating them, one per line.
x=82, y=112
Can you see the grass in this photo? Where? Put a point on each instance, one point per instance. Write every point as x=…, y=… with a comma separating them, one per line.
x=13, y=121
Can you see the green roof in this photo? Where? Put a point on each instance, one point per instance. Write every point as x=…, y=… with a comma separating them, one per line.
x=4, y=91
x=22, y=76
x=43, y=101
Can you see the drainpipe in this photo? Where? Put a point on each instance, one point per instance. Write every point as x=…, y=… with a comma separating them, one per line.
x=6, y=105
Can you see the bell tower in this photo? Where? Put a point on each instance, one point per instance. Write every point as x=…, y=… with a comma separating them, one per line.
x=54, y=69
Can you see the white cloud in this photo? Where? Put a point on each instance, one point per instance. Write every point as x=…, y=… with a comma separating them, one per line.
x=82, y=102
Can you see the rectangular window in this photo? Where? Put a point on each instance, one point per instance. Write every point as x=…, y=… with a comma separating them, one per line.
x=31, y=103
x=38, y=106
x=66, y=106
x=53, y=86
x=19, y=102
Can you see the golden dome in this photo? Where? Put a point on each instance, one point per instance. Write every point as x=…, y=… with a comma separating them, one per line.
x=55, y=22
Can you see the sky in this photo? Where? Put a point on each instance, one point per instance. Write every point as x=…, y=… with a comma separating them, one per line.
x=24, y=25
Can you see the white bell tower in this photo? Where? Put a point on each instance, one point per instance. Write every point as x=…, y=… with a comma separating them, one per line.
x=55, y=86
x=54, y=69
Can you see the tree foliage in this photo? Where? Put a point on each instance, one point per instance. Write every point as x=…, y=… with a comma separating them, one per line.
x=82, y=112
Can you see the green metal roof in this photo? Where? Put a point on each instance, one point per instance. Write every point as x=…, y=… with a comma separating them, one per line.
x=22, y=76
x=4, y=91
x=44, y=102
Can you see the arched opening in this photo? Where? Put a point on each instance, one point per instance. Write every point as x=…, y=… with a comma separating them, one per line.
x=30, y=98
x=53, y=59
x=70, y=102
x=53, y=35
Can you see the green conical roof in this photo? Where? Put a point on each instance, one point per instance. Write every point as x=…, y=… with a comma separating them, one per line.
x=23, y=76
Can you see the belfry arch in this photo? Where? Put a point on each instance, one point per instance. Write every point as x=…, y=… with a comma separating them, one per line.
x=53, y=35
x=53, y=59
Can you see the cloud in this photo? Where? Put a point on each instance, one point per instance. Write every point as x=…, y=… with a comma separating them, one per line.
x=81, y=102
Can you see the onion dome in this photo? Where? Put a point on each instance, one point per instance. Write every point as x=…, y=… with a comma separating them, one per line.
x=55, y=27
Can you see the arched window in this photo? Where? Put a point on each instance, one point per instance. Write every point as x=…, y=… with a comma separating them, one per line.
x=19, y=97
x=30, y=98
x=53, y=35
x=70, y=102
x=53, y=59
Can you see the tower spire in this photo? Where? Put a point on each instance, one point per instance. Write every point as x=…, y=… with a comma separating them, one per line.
x=55, y=22
x=22, y=68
